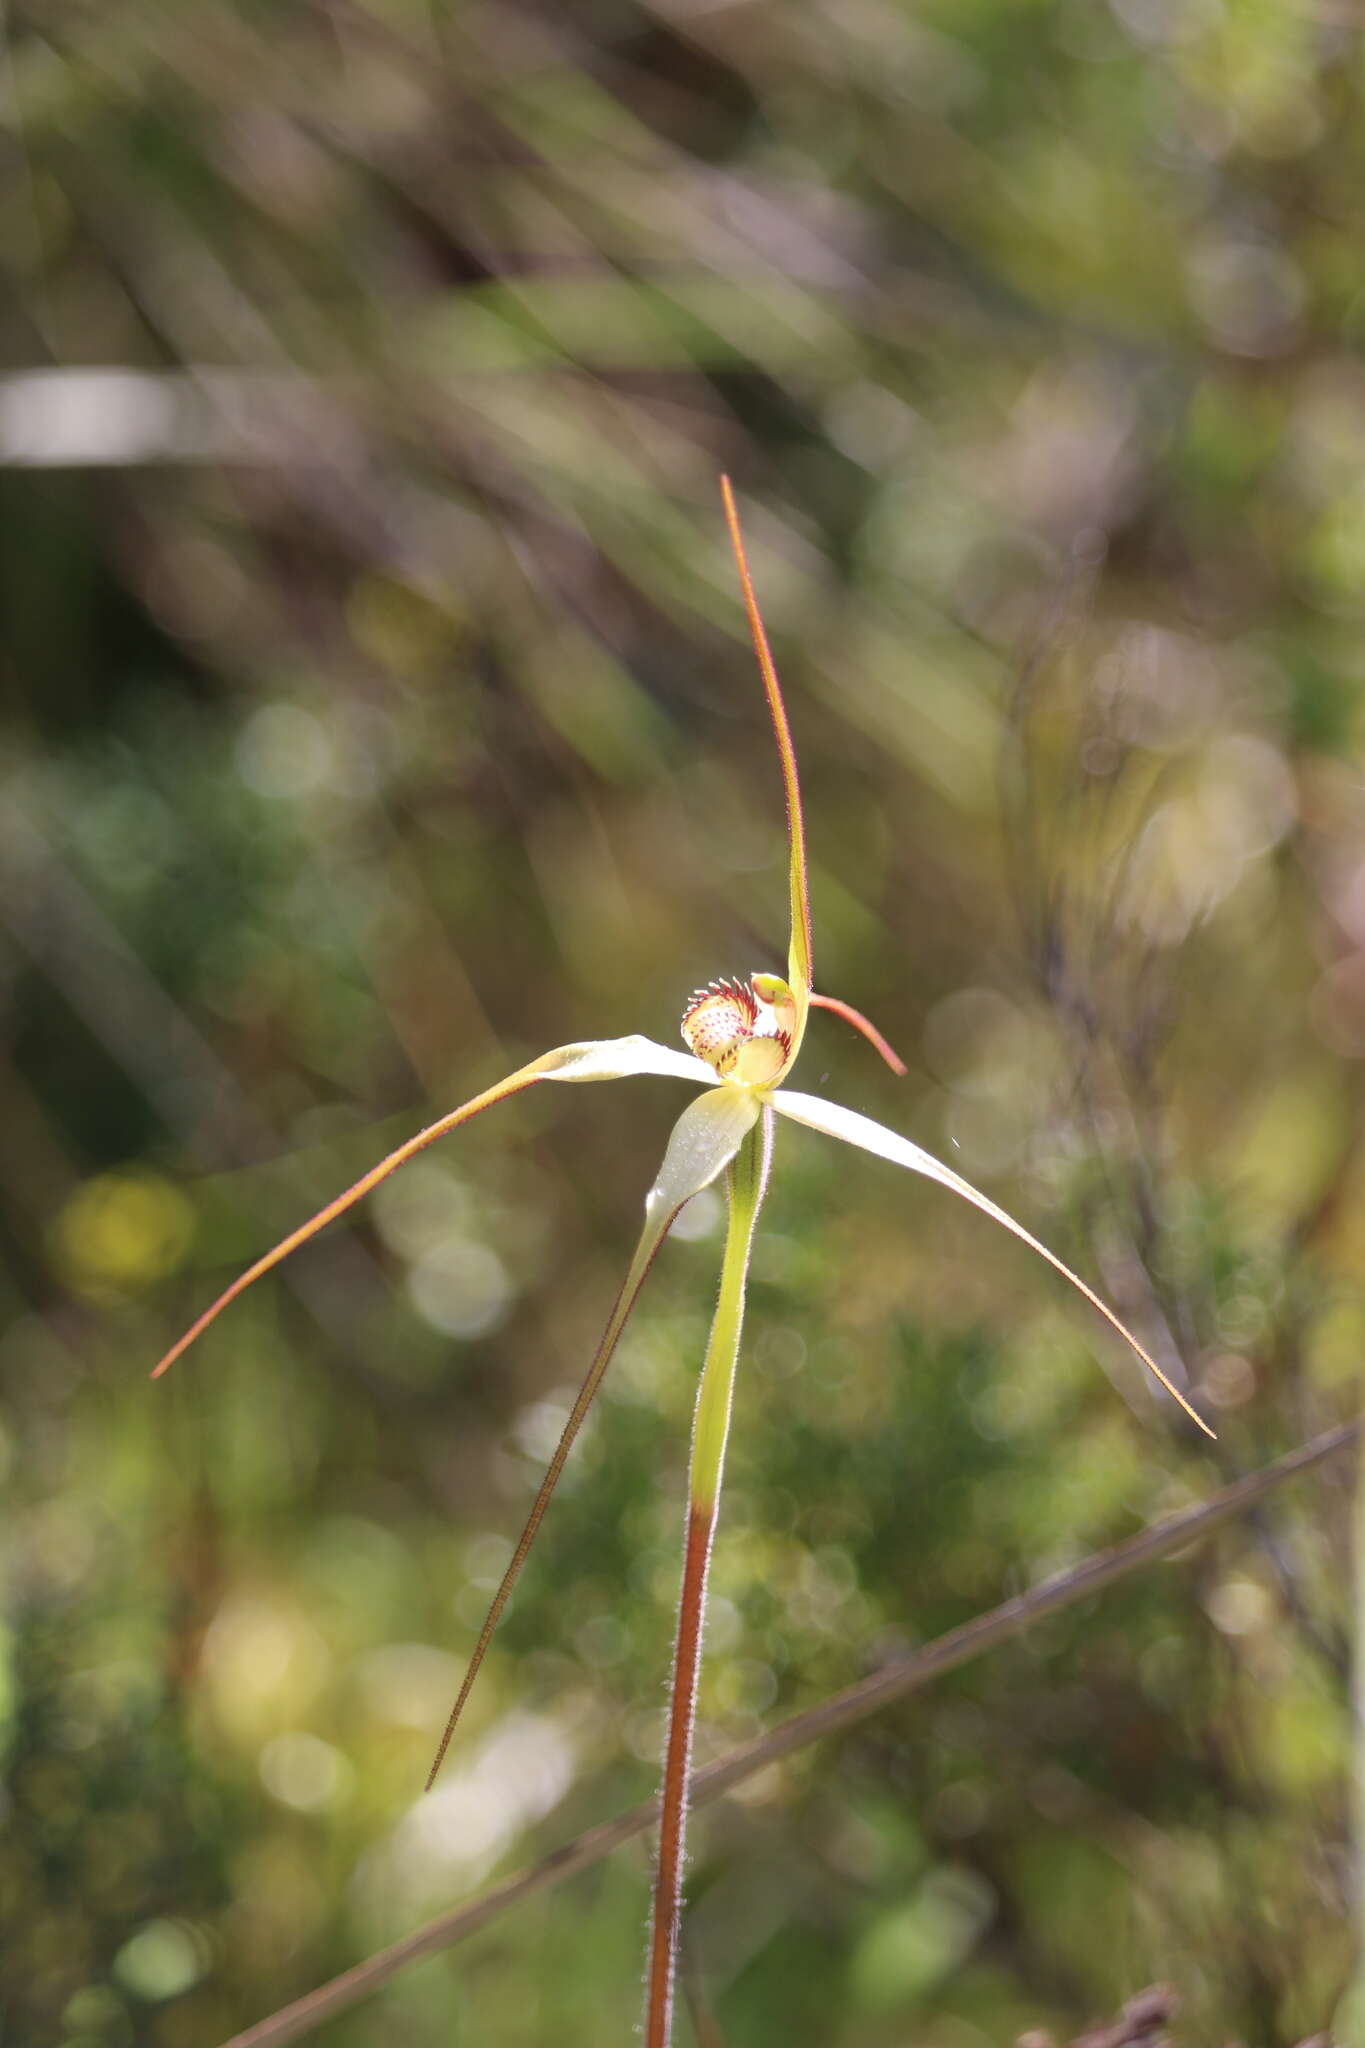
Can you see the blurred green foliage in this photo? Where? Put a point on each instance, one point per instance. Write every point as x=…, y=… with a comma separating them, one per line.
x=377, y=712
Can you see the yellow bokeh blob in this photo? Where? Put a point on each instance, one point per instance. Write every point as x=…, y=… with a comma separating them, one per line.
x=121, y=1232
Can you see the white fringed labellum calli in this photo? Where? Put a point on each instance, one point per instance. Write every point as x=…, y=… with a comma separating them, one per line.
x=743, y=1038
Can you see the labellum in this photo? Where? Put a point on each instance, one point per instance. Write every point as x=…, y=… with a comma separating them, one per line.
x=742, y=1028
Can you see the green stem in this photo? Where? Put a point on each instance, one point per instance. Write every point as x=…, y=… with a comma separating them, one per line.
x=746, y=1184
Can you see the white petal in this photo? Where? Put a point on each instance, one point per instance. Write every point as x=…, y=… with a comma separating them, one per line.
x=705, y=1139
x=611, y=1059
x=837, y=1122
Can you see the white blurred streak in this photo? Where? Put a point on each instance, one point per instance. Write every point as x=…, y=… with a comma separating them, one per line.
x=107, y=418
x=519, y=1773
x=1236, y=803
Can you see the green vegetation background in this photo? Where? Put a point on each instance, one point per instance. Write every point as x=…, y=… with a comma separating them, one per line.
x=377, y=712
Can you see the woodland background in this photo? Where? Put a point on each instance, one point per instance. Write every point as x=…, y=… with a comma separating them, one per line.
x=377, y=712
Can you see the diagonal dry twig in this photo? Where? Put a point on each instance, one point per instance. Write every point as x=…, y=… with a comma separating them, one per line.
x=908, y=1674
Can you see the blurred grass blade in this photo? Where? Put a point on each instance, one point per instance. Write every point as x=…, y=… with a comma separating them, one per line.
x=838, y=1122
x=704, y=1141
x=598, y=1059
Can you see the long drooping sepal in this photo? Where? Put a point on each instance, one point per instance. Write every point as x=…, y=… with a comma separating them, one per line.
x=704, y=1141
x=596, y=1059
x=748, y=1180
x=838, y=1122
x=799, y=954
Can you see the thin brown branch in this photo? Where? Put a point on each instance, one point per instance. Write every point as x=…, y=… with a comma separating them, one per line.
x=907, y=1675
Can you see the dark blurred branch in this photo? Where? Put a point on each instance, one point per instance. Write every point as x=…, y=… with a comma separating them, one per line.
x=1080, y=952
x=907, y=1675
x=1141, y=2024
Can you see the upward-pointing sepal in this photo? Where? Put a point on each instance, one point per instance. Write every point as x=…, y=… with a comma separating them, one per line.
x=799, y=967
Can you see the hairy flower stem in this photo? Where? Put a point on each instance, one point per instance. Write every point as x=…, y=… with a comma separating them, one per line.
x=747, y=1181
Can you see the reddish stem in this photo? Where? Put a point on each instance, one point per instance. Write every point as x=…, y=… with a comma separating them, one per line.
x=701, y=1524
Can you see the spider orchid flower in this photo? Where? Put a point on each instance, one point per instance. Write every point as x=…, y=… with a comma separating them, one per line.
x=743, y=1039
